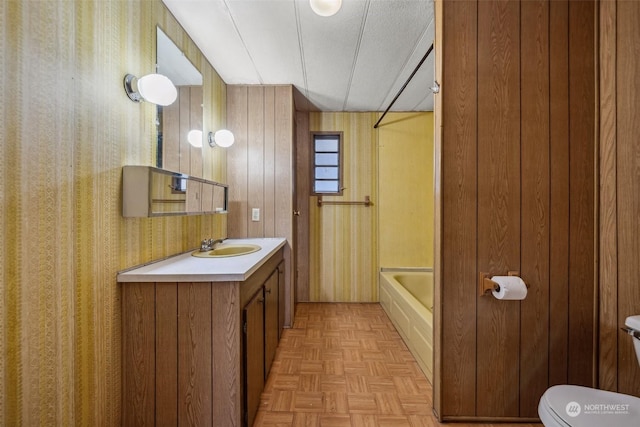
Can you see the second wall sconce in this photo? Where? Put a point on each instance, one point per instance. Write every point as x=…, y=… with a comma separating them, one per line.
x=222, y=138
x=154, y=88
x=195, y=138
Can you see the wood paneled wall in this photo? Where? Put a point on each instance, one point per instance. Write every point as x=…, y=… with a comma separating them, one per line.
x=343, y=239
x=67, y=128
x=517, y=192
x=178, y=119
x=261, y=168
x=619, y=196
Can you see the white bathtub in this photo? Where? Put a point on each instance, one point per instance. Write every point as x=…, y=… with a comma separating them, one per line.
x=407, y=297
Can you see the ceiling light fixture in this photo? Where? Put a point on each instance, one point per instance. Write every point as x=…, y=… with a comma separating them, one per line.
x=154, y=88
x=325, y=7
x=222, y=138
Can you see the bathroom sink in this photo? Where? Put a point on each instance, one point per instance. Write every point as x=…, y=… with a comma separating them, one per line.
x=228, y=250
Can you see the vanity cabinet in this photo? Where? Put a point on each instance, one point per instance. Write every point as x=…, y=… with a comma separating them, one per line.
x=186, y=358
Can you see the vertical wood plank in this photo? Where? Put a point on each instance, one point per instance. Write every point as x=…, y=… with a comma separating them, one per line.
x=628, y=105
x=459, y=199
x=166, y=372
x=237, y=159
x=498, y=322
x=194, y=364
x=184, y=101
x=256, y=166
x=171, y=137
x=138, y=354
x=225, y=312
x=303, y=190
x=559, y=214
x=608, y=330
x=581, y=350
x=283, y=159
x=195, y=122
x=534, y=320
x=268, y=214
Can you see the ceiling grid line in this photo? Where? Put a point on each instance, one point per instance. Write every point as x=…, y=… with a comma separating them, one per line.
x=244, y=44
x=363, y=24
x=405, y=66
x=301, y=49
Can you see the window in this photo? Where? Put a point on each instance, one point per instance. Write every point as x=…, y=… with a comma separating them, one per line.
x=327, y=163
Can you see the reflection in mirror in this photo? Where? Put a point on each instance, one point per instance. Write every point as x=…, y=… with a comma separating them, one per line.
x=174, y=152
x=168, y=193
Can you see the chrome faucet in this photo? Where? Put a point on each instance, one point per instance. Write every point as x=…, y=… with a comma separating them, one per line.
x=209, y=244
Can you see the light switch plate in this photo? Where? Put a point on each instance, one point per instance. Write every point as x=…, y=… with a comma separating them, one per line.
x=255, y=214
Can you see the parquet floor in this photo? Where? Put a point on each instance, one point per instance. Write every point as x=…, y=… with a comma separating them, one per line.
x=345, y=365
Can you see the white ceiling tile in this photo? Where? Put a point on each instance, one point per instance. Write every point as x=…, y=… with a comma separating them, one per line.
x=392, y=31
x=361, y=55
x=329, y=47
x=270, y=34
x=209, y=25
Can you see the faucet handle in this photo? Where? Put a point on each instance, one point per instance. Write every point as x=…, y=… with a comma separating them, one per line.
x=206, y=245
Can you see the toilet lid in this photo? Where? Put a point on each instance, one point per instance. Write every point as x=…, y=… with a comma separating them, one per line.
x=633, y=322
x=588, y=407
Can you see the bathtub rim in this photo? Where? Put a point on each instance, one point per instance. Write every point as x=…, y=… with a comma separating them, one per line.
x=406, y=295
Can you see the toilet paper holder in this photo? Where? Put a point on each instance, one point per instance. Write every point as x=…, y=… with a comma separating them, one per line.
x=486, y=285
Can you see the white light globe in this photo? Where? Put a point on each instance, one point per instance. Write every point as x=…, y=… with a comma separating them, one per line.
x=325, y=7
x=157, y=89
x=224, y=138
x=195, y=138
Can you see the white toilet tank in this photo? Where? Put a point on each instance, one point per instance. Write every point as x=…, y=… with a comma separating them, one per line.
x=633, y=322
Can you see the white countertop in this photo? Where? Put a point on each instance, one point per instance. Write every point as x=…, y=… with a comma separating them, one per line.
x=187, y=268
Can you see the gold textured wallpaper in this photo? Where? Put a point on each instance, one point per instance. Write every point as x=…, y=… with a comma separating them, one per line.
x=343, y=239
x=67, y=129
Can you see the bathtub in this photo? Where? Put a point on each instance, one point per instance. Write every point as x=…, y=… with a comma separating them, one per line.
x=407, y=297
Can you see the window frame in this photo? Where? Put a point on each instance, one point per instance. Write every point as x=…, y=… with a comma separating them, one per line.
x=312, y=174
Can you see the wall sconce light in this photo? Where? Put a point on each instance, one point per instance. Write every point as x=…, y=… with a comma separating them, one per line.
x=325, y=7
x=154, y=88
x=222, y=138
x=195, y=138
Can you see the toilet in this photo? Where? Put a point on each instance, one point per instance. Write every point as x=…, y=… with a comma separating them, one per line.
x=575, y=406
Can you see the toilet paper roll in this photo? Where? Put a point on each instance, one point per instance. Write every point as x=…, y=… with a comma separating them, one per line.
x=511, y=288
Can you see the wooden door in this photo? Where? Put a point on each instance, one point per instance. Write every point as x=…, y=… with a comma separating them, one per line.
x=302, y=200
x=253, y=316
x=270, y=321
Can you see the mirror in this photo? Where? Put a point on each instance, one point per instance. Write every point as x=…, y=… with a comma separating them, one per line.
x=174, y=152
x=149, y=192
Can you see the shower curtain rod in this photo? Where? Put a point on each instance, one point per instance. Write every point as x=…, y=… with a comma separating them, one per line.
x=404, y=85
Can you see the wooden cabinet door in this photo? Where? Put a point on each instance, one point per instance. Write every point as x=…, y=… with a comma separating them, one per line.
x=194, y=196
x=270, y=321
x=253, y=315
x=281, y=298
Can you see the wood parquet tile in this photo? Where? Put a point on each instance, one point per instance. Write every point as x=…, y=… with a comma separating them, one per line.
x=344, y=365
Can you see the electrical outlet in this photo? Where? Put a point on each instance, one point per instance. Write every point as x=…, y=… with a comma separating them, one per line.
x=255, y=214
